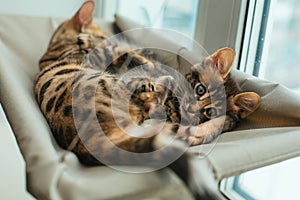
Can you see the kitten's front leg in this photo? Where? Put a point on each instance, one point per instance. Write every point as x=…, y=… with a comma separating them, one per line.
x=207, y=131
x=229, y=124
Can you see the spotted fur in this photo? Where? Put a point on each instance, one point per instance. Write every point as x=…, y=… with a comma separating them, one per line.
x=73, y=94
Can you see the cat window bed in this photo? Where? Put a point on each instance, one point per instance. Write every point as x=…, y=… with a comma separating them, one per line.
x=269, y=135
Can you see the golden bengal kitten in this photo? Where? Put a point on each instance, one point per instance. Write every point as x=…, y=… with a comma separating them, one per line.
x=65, y=78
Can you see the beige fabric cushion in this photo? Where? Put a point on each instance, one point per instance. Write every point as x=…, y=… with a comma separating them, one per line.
x=53, y=173
x=255, y=143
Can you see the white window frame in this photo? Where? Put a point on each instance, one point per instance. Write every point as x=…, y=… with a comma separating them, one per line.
x=253, y=56
x=251, y=62
x=227, y=188
x=230, y=14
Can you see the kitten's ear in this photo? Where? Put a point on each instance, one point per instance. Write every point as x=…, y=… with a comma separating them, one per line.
x=223, y=60
x=248, y=102
x=84, y=15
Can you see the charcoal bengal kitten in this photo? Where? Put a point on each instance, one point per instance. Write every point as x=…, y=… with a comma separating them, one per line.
x=71, y=94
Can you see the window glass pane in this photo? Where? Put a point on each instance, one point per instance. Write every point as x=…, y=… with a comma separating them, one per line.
x=173, y=14
x=276, y=182
x=283, y=52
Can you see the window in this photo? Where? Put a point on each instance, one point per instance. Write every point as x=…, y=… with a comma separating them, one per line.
x=271, y=48
x=276, y=182
x=170, y=14
x=212, y=23
x=271, y=51
x=282, y=52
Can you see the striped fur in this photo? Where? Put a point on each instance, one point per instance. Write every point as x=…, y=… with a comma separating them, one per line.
x=72, y=91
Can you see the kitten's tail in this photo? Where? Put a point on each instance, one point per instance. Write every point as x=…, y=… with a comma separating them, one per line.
x=195, y=172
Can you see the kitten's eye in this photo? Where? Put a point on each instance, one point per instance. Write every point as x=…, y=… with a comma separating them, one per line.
x=211, y=112
x=200, y=90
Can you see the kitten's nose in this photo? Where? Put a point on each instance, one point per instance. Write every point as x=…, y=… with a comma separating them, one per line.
x=79, y=41
x=193, y=108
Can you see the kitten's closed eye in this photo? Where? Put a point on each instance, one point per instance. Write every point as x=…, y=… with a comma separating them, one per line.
x=143, y=88
x=83, y=40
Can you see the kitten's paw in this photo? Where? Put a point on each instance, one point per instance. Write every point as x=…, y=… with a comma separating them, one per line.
x=144, y=87
x=204, y=134
x=207, y=131
x=144, y=92
x=192, y=141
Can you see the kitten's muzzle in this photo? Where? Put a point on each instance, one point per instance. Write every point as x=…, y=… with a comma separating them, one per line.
x=193, y=108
